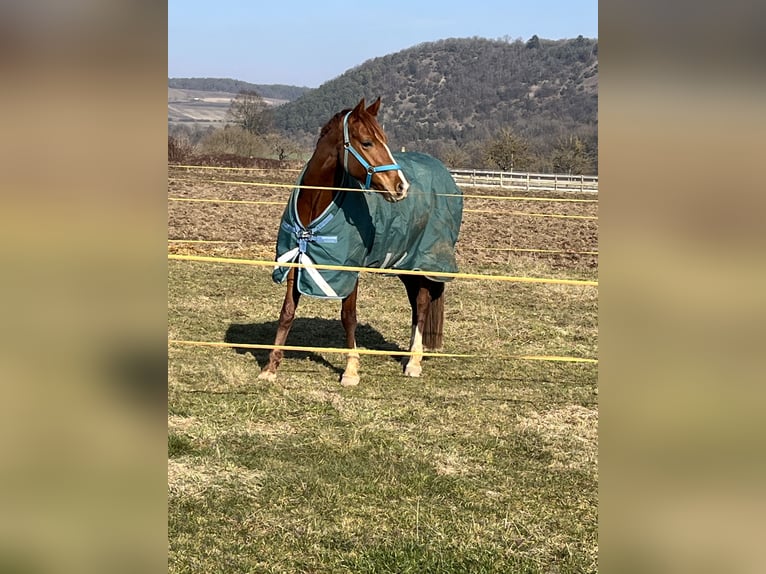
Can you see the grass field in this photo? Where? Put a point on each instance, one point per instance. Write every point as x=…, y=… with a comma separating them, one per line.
x=485, y=464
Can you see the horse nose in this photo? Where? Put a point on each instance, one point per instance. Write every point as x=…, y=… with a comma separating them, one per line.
x=401, y=189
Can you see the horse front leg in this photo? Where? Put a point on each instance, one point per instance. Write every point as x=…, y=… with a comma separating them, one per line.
x=348, y=318
x=286, y=317
x=420, y=299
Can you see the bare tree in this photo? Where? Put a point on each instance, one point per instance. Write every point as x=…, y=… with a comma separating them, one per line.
x=250, y=111
x=508, y=151
x=572, y=156
x=454, y=156
x=281, y=147
x=179, y=148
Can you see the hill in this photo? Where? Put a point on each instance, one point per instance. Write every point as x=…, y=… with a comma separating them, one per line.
x=228, y=85
x=463, y=90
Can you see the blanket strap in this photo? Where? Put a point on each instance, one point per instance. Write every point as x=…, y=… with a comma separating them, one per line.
x=304, y=236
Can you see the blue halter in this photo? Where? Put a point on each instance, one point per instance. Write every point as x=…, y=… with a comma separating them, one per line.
x=347, y=147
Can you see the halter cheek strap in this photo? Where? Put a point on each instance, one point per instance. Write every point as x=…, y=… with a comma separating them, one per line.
x=347, y=147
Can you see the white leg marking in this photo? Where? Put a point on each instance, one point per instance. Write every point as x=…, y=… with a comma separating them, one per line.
x=350, y=376
x=413, y=368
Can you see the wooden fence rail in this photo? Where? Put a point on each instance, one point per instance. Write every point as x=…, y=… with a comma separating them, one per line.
x=526, y=181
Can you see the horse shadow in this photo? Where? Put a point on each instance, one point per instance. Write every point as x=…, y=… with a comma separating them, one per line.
x=306, y=332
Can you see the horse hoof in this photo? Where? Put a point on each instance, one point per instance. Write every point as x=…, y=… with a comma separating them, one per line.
x=412, y=371
x=268, y=376
x=349, y=380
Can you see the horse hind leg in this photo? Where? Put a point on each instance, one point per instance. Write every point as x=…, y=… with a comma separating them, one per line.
x=419, y=301
x=427, y=302
x=286, y=317
x=350, y=376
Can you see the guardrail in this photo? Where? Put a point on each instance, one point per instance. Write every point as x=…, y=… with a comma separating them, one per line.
x=526, y=181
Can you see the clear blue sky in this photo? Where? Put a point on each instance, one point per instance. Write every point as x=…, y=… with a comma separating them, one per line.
x=309, y=42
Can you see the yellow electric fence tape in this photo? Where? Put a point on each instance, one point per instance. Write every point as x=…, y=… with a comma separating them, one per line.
x=527, y=250
x=214, y=200
x=554, y=251
x=292, y=185
x=552, y=358
x=312, y=349
x=233, y=168
x=243, y=201
x=228, y=260
x=558, y=215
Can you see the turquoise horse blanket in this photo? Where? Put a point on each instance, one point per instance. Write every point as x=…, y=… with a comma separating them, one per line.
x=361, y=229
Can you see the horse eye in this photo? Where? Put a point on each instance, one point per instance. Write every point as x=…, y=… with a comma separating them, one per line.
x=367, y=144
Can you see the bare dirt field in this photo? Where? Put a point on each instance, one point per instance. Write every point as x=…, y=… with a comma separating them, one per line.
x=491, y=227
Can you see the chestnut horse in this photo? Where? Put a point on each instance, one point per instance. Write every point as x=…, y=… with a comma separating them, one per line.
x=352, y=153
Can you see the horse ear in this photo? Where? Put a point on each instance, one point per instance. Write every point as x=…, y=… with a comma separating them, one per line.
x=374, y=107
x=359, y=107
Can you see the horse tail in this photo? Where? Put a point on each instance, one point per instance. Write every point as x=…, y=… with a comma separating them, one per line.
x=433, y=329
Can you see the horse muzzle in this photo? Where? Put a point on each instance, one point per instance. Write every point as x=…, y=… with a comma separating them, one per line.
x=399, y=193
x=395, y=184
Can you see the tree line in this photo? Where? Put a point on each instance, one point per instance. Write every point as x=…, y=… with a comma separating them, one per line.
x=250, y=134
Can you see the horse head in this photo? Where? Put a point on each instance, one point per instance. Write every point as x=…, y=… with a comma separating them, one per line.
x=366, y=155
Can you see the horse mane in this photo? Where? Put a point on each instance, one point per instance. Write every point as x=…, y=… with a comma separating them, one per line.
x=326, y=128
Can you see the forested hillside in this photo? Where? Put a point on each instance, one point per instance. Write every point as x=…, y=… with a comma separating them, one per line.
x=457, y=94
x=274, y=91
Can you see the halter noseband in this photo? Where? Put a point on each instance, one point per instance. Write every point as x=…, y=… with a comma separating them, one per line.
x=347, y=147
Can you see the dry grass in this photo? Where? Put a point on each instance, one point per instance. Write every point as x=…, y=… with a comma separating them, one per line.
x=569, y=433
